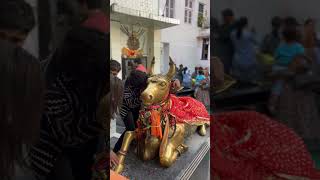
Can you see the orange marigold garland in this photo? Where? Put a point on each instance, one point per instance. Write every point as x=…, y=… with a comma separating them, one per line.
x=131, y=53
x=156, y=129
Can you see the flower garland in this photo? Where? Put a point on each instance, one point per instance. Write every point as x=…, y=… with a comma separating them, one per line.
x=129, y=53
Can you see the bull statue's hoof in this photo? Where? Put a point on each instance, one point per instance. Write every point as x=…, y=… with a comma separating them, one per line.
x=166, y=162
x=202, y=130
x=182, y=149
x=169, y=158
x=119, y=168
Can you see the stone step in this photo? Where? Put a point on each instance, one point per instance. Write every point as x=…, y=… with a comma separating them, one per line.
x=192, y=165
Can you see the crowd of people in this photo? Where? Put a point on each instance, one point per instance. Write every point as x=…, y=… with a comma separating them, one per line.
x=287, y=57
x=199, y=80
x=237, y=45
x=290, y=51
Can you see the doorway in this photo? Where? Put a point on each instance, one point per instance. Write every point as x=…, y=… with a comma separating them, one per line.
x=127, y=66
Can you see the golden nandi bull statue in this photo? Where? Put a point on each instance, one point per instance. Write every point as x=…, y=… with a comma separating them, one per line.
x=164, y=122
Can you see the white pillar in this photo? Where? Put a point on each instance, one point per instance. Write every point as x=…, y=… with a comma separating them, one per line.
x=115, y=43
x=157, y=50
x=113, y=129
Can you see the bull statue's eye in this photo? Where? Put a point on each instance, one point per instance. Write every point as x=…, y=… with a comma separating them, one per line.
x=162, y=84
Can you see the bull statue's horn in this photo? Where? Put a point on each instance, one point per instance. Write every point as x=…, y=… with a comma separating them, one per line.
x=151, y=72
x=172, y=70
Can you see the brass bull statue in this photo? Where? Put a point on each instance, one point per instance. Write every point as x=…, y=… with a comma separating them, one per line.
x=150, y=141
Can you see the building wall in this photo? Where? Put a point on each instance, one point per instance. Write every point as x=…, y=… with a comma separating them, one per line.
x=184, y=46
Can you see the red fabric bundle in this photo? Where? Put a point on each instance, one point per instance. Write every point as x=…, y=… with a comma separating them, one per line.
x=188, y=110
x=251, y=146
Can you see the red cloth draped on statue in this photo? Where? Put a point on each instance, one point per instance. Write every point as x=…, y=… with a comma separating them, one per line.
x=99, y=21
x=188, y=110
x=251, y=146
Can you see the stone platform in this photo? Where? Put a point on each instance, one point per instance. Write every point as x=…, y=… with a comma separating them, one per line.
x=193, y=164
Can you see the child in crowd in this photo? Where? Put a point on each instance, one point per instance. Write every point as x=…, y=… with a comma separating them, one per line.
x=195, y=73
x=200, y=77
x=284, y=55
x=202, y=93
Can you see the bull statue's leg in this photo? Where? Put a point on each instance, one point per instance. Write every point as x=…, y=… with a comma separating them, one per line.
x=202, y=130
x=151, y=150
x=128, y=137
x=175, y=147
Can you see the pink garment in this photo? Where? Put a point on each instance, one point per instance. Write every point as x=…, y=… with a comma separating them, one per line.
x=140, y=67
x=99, y=21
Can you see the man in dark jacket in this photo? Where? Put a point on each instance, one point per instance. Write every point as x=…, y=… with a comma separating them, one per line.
x=223, y=47
x=131, y=103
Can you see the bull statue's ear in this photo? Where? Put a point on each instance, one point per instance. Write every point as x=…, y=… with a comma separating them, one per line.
x=151, y=71
x=172, y=71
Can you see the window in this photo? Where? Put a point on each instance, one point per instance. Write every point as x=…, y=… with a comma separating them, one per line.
x=201, y=9
x=169, y=8
x=205, y=49
x=188, y=11
x=201, y=15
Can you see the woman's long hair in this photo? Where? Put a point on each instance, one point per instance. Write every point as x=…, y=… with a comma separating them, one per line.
x=116, y=94
x=242, y=23
x=21, y=104
x=84, y=57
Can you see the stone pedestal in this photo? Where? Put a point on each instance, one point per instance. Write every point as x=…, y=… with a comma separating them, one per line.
x=193, y=164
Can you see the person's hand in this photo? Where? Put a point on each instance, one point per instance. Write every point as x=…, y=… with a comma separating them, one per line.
x=176, y=84
x=114, y=160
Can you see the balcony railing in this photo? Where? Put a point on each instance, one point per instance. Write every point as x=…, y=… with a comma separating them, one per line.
x=145, y=6
x=203, y=22
x=132, y=11
x=206, y=24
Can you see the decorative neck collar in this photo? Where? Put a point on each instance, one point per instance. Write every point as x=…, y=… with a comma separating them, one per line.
x=161, y=105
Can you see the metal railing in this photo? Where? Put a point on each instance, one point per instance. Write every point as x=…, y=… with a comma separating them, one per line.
x=146, y=6
x=125, y=9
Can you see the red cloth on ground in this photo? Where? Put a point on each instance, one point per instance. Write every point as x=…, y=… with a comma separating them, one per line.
x=188, y=110
x=99, y=21
x=251, y=146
